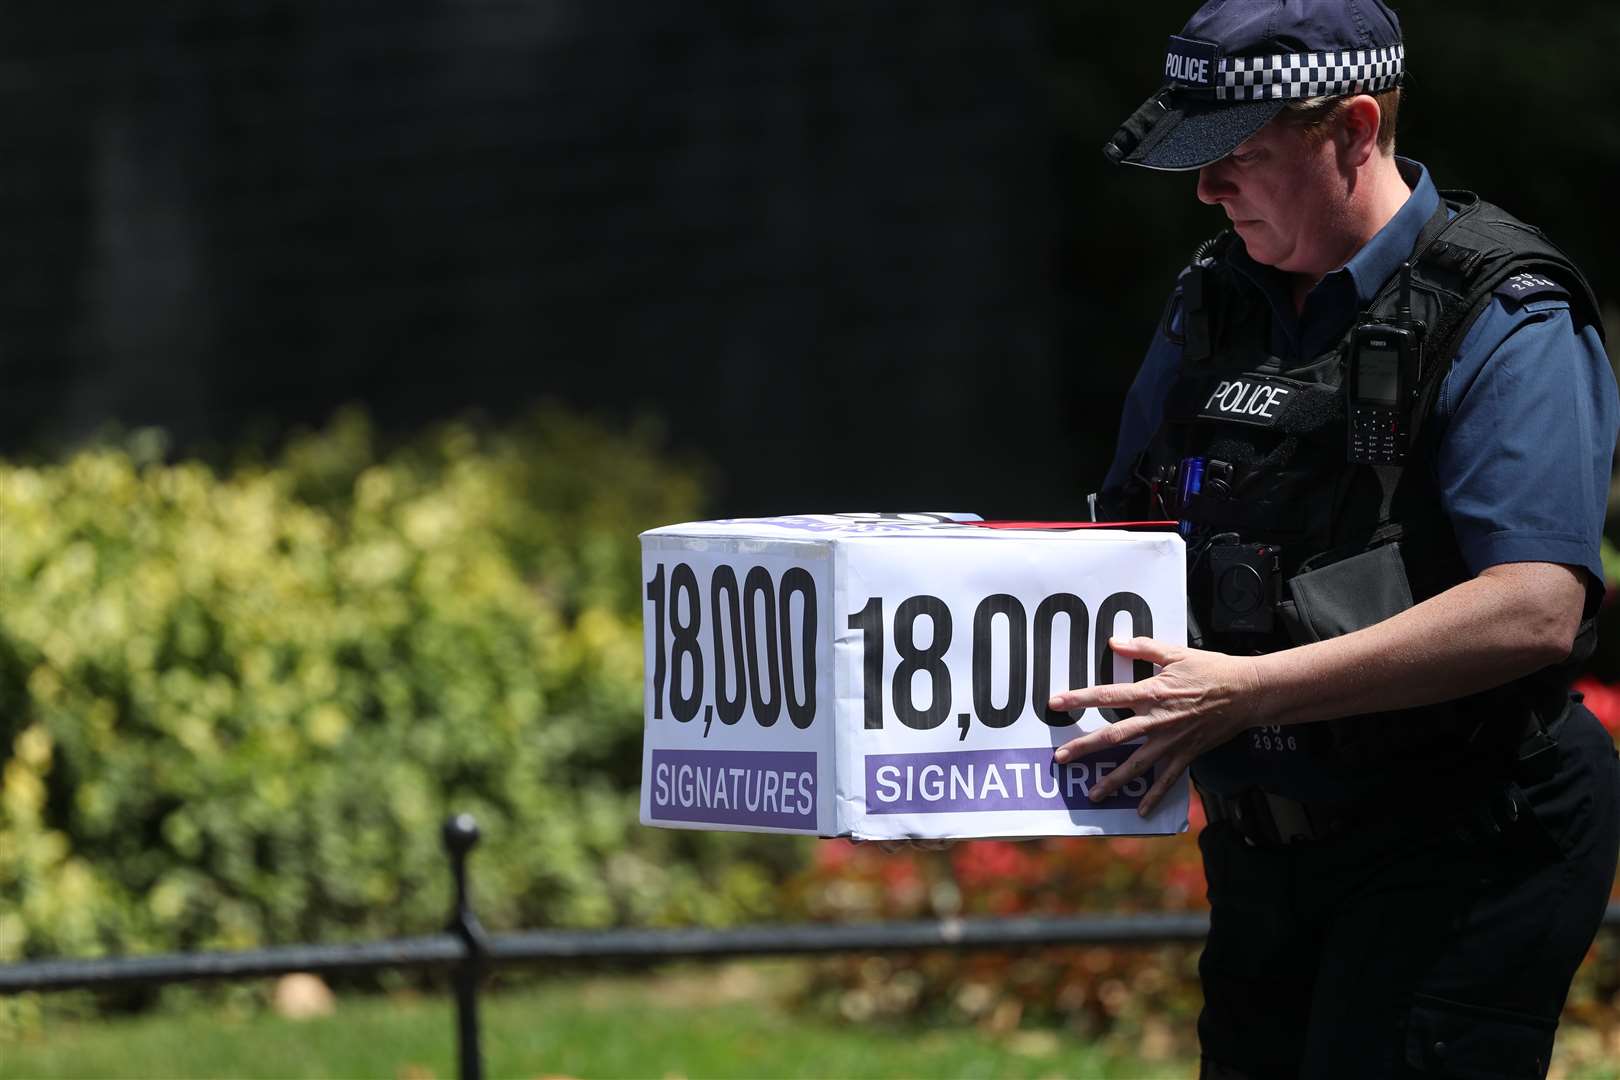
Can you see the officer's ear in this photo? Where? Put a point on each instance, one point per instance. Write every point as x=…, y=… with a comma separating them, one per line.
x=1356, y=135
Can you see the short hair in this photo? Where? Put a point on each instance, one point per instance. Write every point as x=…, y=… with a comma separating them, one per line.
x=1316, y=115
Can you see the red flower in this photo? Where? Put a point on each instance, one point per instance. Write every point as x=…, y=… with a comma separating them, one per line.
x=1604, y=701
x=900, y=874
x=833, y=855
x=1195, y=812
x=987, y=862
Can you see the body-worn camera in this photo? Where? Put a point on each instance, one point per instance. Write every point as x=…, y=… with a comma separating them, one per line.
x=1245, y=581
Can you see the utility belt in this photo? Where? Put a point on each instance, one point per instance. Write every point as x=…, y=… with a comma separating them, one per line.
x=1265, y=819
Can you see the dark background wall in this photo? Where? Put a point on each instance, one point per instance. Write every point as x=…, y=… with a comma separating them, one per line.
x=860, y=255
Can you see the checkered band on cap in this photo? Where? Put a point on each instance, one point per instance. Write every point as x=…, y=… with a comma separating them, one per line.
x=1309, y=75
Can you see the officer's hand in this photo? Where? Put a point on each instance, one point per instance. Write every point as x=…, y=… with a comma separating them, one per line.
x=1196, y=702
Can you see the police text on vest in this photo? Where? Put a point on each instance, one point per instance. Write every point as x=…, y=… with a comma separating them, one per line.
x=1235, y=397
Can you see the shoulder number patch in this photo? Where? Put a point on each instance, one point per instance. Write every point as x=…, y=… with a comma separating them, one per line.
x=1521, y=288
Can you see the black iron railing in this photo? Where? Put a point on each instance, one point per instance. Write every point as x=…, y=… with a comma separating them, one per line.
x=468, y=952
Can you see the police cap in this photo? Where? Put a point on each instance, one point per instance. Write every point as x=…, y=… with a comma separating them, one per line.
x=1235, y=64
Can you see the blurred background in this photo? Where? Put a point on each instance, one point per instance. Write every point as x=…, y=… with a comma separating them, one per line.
x=344, y=350
x=855, y=254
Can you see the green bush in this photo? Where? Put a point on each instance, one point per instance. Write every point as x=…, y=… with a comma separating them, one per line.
x=235, y=708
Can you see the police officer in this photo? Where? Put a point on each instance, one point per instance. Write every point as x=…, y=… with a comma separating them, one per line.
x=1384, y=417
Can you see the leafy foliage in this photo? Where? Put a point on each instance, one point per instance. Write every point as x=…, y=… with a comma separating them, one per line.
x=234, y=708
x=1134, y=999
x=1143, y=999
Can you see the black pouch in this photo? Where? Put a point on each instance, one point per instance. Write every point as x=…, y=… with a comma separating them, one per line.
x=1351, y=594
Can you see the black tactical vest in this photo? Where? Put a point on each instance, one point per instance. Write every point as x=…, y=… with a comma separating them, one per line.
x=1355, y=543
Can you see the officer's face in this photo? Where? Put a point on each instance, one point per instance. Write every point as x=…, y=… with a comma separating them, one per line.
x=1285, y=194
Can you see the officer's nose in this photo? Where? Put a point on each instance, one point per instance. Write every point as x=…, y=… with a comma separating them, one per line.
x=1215, y=183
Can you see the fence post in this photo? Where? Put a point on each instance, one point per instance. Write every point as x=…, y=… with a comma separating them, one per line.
x=460, y=836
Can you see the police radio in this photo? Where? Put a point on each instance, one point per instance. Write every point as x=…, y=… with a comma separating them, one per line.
x=1379, y=387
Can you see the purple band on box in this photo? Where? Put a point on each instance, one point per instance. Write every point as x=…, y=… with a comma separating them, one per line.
x=1023, y=778
x=764, y=788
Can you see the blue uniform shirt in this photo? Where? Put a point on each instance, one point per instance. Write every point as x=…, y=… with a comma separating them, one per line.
x=1526, y=417
x=1525, y=420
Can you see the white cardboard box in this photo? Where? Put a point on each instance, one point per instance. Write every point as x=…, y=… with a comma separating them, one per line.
x=885, y=676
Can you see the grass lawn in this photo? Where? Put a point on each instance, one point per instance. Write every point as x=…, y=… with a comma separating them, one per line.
x=724, y=1023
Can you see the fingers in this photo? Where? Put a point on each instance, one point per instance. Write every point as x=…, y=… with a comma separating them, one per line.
x=1146, y=648
x=1163, y=754
x=1101, y=739
x=1156, y=754
x=1168, y=776
x=1134, y=766
x=1106, y=696
x=1117, y=695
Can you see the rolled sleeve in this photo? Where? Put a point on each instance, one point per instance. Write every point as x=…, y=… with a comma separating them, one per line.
x=1529, y=414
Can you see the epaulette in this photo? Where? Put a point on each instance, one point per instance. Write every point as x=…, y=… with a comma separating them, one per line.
x=1522, y=288
x=1469, y=253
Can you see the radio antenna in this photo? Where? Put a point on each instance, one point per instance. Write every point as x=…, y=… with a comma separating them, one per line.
x=1406, y=291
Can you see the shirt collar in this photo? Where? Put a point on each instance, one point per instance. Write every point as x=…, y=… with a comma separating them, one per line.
x=1381, y=257
x=1335, y=299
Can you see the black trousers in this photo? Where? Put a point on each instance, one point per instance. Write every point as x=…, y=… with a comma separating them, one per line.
x=1434, y=945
